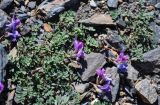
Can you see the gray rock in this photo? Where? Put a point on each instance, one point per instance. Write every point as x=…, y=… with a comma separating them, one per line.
x=98, y=20
x=81, y=88
x=54, y=8
x=153, y=57
x=158, y=99
x=115, y=40
x=93, y=3
x=115, y=81
x=156, y=30
x=3, y=19
x=5, y=3
x=132, y=73
x=146, y=91
x=158, y=1
x=156, y=79
x=121, y=23
x=152, y=2
x=3, y=62
x=92, y=62
x=151, y=62
x=157, y=6
x=112, y=3
x=32, y=4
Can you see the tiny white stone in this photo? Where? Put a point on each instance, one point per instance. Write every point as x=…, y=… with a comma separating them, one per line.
x=93, y=4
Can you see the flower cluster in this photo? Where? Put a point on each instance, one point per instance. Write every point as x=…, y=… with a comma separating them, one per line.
x=1, y=87
x=122, y=62
x=14, y=34
x=107, y=81
x=78, y=47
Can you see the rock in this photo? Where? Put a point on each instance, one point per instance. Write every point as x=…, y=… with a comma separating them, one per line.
x=55, y=7
x=157, y=6
x=92, y=62
x=146, y=91
x=150, y=8
x=93, y=4
x=158, y=99
x=3, y=19
x=115, y=82
x=3, y=62
x=156, y=30
x=156, y=79
x=132, y=73
x=121, y=23
x=112, y=3
x=153, y=57
x=81, y=88
x=151, y=62
x=32, y=4
x=5, y=3
x=114, y=39
x=99, y=19
x=152, y=2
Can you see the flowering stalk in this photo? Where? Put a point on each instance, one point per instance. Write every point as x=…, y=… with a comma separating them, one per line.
x=107, y=81
x=78, y=47
x=1, y=87
x=121, y=62
x=14, y=34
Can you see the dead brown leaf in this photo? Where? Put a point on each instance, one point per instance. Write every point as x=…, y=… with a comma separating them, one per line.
x=47, y=27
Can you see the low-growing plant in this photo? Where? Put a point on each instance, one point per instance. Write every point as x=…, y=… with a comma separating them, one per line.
x=41, y=76
x=139, y=39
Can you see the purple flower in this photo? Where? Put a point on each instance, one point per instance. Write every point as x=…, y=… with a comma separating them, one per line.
x=106, y=87
x=122, y=57
x=80, y=54
x=1, y=87
x=78, y=45
x=14, y=23
x=100, y=72
x=14, y=35
x=122, y=67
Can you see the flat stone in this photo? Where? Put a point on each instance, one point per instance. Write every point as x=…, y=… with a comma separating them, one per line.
x=114, y=39
x=156, y=30
x=121, y=23
x=99, y=19
x=151, y=62
x=93, y=3
x=92, y=62
x=3, y=19
x=3, y=62
x=146, y=91
x=156, y=79
x=55, y=7
x=152, y=2
x=153, y=57
x=112, y=3
x=132, y=73
x=5, y=3
x=115, y=81
x=157, y=6
x=81, y=88
x=158, y=99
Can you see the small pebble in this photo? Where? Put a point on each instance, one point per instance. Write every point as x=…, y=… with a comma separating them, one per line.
x=93, y=4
